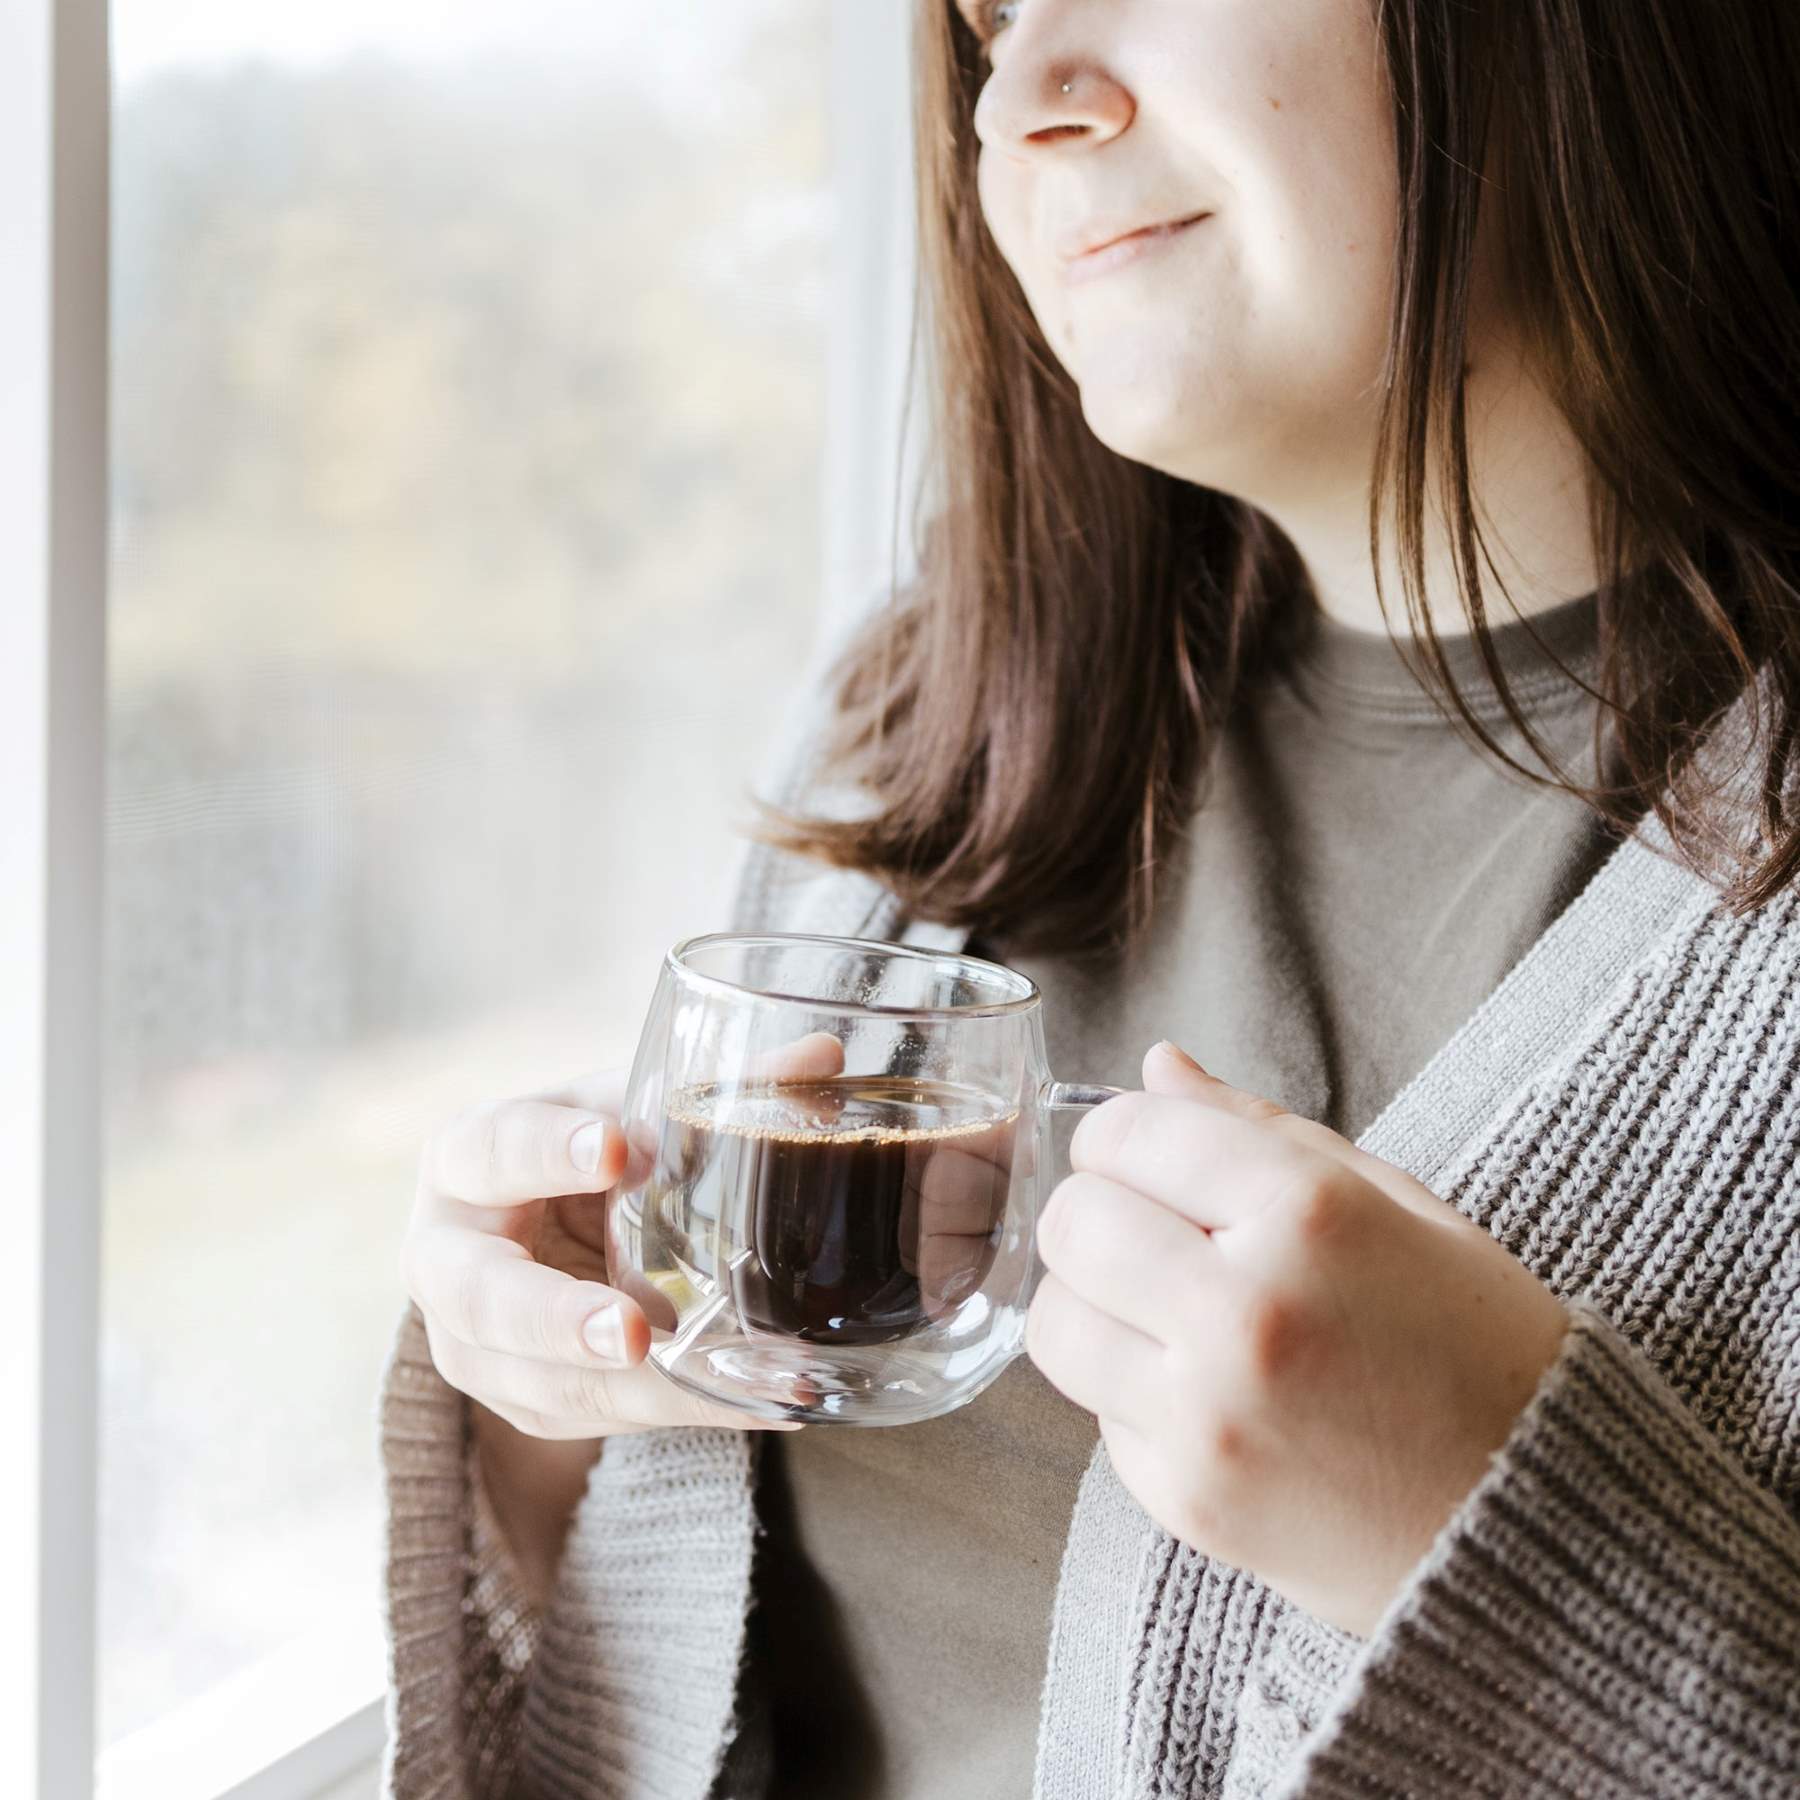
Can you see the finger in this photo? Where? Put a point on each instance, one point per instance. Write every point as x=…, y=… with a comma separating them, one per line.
x=1142, y=1463
x=1099, y=1363
x=488, y=1293
x=950, y=1270
x=950, y=1222
x=961, y=1192
x=1208, y=1165
x=558, y=1401
x=539, y=1425
x=1168, y=1069
x=1128, y=1255
x=952, y=1193
x=505, y=1152
x=816, y=1057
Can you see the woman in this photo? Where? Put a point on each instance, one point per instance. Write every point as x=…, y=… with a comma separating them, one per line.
x=1360, y=643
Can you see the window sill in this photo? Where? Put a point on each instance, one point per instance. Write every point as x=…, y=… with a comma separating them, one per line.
x=286, y=1729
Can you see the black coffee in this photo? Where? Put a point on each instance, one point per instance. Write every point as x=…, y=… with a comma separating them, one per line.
x=847, y=1211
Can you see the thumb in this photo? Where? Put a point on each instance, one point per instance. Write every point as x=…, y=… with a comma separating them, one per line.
x=1168, y=1069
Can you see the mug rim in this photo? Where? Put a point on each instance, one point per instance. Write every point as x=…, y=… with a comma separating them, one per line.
x=674, y=961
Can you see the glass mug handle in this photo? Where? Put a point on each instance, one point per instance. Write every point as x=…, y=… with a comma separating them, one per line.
x=1075, y=1096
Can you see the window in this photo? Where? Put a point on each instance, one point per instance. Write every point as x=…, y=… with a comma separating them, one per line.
x=496, y=395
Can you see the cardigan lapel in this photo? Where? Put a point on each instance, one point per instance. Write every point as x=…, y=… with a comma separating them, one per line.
x=1105, y=1686
x=1638, y=896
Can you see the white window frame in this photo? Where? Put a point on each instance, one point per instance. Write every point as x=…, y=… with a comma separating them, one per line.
x=53, y=293
x=252, y=1739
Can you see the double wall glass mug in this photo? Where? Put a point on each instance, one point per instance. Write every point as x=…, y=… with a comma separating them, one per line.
x=838, y=1152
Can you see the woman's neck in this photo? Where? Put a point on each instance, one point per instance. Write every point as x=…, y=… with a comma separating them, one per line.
x=1530, y=479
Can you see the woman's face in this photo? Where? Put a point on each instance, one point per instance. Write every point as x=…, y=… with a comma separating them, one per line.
x=1241, y=352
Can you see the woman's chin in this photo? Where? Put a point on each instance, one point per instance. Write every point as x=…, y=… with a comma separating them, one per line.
x=1145, y=429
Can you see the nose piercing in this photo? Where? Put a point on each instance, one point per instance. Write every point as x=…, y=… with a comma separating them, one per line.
x=1067, y=89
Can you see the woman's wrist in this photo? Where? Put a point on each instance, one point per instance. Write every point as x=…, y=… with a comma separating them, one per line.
x=533, y=1487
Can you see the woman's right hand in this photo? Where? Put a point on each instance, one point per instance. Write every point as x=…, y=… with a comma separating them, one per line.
x=505, y=1256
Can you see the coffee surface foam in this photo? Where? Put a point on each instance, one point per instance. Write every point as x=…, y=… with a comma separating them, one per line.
x=857, y=1110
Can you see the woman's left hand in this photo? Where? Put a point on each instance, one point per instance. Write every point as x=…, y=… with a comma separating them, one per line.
x=1301, y=1359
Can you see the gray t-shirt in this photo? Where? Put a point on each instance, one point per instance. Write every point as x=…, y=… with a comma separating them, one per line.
x=1357, y=879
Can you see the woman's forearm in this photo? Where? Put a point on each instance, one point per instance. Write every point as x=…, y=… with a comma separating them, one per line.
x=533, y=1486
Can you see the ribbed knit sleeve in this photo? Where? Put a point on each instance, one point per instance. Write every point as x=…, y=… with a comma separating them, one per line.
x=1614, y=1613
x=461, y=1633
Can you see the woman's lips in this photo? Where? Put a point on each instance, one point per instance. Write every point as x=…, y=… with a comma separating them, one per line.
x=1127, y=249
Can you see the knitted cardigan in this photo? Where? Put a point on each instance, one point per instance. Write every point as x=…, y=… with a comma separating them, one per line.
x=1613, y=1612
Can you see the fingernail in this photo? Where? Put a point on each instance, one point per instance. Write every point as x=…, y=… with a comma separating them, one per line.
x=604, y=1334
x=1176, y=1051
x=585, y=1146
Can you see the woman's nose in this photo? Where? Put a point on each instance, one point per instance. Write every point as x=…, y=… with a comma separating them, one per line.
x=1039, y=103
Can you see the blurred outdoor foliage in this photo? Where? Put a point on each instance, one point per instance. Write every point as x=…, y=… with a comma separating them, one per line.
x=467, y=431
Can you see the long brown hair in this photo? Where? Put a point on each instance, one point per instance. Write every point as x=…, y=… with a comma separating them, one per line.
x=1034, y=715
